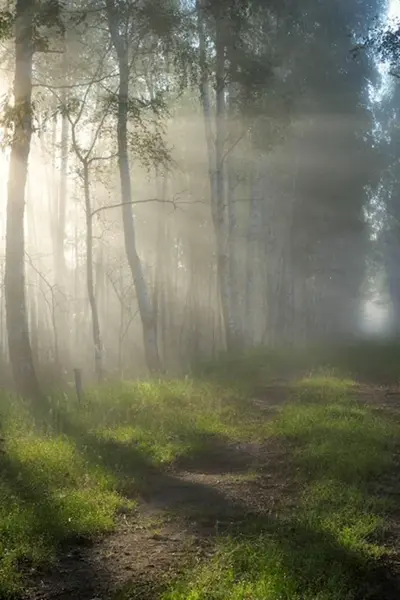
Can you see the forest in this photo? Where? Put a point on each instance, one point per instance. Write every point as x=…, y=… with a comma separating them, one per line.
x=199, y=179
x=199, y=299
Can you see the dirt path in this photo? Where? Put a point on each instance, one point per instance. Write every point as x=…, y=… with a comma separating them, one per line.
x=183, y=510
x=175, y=524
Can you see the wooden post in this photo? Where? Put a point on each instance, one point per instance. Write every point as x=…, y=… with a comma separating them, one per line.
x=78, y=384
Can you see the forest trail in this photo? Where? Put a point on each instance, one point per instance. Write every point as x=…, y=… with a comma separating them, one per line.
x=182, y=512
x=175, y=524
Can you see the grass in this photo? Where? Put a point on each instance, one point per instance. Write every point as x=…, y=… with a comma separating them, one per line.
x=66, y=475
x=372, y=361
x=325, y=549
x=48, y=493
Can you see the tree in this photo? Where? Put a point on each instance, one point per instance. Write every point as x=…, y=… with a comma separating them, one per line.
x=17, y=321
x=120, y=31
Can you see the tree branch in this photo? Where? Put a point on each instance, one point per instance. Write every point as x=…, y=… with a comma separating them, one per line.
x=120, y=204
x=235, y=143
x=71, y=86
x=173, y=203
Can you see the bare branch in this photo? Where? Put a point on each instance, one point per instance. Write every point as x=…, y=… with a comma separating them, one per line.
x=99, y=158
x=239, y=139
x=38, y=272
x=72, y=86
x=173, y=203
x=120, y=204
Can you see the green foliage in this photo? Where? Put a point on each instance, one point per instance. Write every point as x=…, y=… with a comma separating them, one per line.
x=160, y=17
x=6, y=24
x=49, y=14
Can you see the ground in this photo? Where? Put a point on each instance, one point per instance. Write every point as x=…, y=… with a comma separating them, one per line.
x=175, y=523
x=186, y=510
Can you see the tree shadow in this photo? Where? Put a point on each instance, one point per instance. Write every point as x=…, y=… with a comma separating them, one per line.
x=312, y=559
x=140, y=478
x=47, y=528
x=309, y=554
x=216, y=453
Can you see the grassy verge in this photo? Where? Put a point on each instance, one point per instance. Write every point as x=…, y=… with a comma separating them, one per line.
x=66, y=475
x=326, y=549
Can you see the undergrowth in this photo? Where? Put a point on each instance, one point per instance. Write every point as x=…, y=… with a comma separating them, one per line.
x=372, y=361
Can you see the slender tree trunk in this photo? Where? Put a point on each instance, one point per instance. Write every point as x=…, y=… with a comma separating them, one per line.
x=17, y=321
x=217, y=171
x=62, y=201
x=235, y=255
x=147, y=316
x=3, y=338
x=98, y=348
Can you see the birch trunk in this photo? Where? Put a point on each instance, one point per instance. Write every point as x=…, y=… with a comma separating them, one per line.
x=17, y=321
x=98, y=348
x=62, y=201
x=217, y=173
x=146, y=312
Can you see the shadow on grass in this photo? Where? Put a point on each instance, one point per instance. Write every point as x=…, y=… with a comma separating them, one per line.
x=45, y=546
x=140, y=477
x=214, y=454
x=300, y=560
x=298, y=555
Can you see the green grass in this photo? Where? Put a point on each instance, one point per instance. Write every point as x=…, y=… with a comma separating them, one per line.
x=48, y=493
x=164, y=420
x=67, y=474
x=326, y=548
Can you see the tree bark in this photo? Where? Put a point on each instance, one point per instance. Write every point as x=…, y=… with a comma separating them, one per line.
x=217, y=171
x=146, y=312
x=17, y=321
x=62, y=202
x=98, y=347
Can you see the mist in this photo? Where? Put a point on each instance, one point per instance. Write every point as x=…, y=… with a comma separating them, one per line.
x=199, y=299
x=235, y=210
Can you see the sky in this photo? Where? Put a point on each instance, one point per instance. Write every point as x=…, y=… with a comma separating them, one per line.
x=378, y=94
x=394, y=10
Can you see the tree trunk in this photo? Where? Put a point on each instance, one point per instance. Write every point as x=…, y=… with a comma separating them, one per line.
x=217, y=170
x=17, y=322
x=98, y=348
x=146, y=312
x=62, y=202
